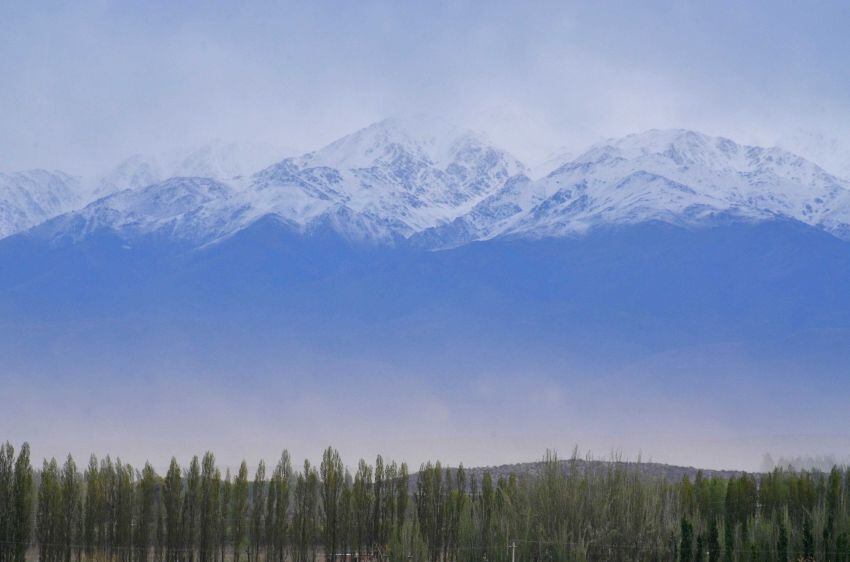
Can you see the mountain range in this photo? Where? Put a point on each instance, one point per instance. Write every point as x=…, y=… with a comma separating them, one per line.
x=412, y=231
x=413, y=270
x=435, y=185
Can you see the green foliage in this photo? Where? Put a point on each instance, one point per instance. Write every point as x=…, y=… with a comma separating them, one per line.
x=333, y=480
x=240, y=510
x=7, y=501
x=564, y=511
x=686, y=541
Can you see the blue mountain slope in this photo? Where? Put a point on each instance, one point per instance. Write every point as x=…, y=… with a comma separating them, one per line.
x=615, y=293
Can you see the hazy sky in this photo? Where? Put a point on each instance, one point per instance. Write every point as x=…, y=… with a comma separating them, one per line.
x=85, y=84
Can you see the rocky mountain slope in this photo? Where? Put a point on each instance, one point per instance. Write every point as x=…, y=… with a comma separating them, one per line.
x=32, y=197
x=440, y=186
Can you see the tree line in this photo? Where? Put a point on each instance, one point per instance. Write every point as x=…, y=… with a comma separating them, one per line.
x=565, y=511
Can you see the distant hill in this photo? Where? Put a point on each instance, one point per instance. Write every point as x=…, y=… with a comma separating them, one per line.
x=668, y=472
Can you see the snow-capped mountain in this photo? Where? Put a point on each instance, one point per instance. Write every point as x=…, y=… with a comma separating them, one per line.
x=34, y=196
x=673, y=176
x=443, y=186
x=219, y=160
x=394, y=178
x=715, y=243
x=190, y=209
x=123, y=195
x=387, y=181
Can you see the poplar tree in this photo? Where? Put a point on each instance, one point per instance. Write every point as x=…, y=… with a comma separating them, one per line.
x=172, y=498
x=271, y=517
x=240, y=510
x=808, y=539
x=362, y=500
x=92, y=506
x=312, y=512
x=23, y=494
x=258, y=508
x=124, y=507
x=686, y=541
x=48, y=519
x=346, y=515
x=557, y=514
x=378, y=504
x=331, y=476
x=782, y=542
x=304, y=523
x=106, y=508
x=209, y=506
x=70, y=515
x=7, y=503
x=277, y=521
x=145, y=529
x=191, y=507
x=430, y=508
x=388, y=507
x=402, y=494
x=730, y=508
x=713, y=541
x=225, y=514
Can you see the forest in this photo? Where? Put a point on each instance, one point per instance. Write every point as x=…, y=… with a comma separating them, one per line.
x=110, y=511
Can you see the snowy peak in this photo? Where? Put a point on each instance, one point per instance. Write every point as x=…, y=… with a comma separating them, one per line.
x=420, y=142
x=421, y=138
x=682, y=177
x=674, y=147
x=196, y=209
x=399, y=175
x=690, y=150
x=440, y=185
x=219, y=160
x=31, y=197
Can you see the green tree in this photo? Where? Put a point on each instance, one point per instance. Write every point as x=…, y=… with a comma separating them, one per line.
x=70, y=515
x=240, y=510
x=191, y=509
x=402, y=494
x=362, y=500
x=346, y=514
x=430, y=508
x=782, y=542
x=378, y=505
x=305, y=514
x=331, y=476
x=808, y=539
x=209, y=506
x=225, y=515
x=93, y=506
x=148, y=487
x=7, y=502
x=123, y=509
x=258, y=510
x=48, y=519
x=713, y=545
x=279, y=490
x=686, y=541
x=172, y=498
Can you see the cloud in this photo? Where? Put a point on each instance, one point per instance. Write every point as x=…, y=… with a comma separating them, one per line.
x=87, y=84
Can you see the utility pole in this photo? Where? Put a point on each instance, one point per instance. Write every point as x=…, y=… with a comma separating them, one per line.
x=513, y=551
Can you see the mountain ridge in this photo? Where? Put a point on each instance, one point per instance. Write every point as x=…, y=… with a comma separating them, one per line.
x=432, y=184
